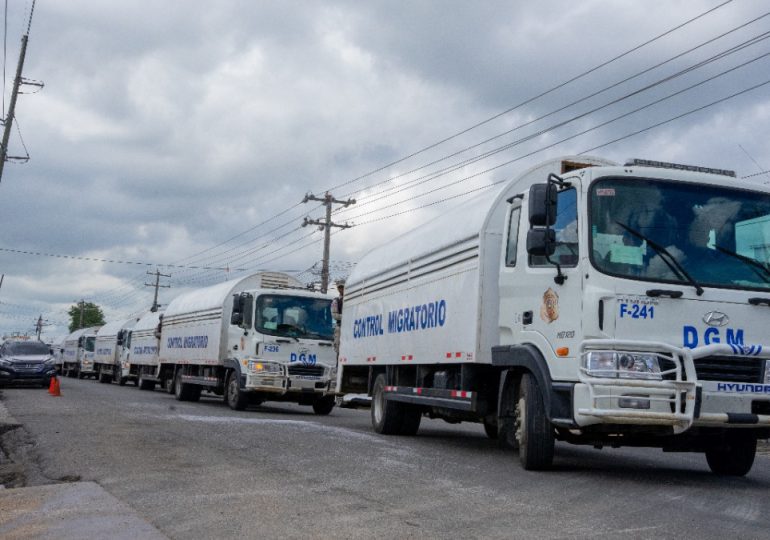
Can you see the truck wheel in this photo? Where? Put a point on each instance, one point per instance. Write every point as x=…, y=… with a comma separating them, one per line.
x=80, y=375
x=105, y=377
x=533, y=430
x=735, y=456
x=181, y=390
x=387, y=416
x=144, y=384
x=323, y=406
x=234, y=398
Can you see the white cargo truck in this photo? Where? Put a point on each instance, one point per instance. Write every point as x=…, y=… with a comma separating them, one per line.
x=140, y=359
x=79, y=351
x=110, y=342
x=251, y=340
x=584, y=302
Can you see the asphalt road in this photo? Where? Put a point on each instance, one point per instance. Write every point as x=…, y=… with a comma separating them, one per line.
x=200, y=470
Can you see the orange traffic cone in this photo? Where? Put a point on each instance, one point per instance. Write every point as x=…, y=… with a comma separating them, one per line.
x=55, y=389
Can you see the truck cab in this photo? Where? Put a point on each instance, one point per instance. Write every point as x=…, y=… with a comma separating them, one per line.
x=79, y=353
x=645, y=289
x=285, y=347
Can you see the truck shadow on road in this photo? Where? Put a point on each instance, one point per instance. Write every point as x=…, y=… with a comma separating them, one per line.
x=641, y=465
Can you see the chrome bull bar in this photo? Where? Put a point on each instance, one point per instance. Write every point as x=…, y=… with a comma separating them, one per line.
x=676, y=386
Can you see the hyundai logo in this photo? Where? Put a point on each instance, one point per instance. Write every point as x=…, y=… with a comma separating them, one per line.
x=716, y=318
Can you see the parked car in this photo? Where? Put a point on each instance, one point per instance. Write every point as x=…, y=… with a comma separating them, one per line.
x=26, y=362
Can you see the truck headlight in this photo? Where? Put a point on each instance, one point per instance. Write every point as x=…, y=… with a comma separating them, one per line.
x=622, y=365
x=258, y=366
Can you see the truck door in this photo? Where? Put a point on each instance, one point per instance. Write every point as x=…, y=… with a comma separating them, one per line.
x=534, y=308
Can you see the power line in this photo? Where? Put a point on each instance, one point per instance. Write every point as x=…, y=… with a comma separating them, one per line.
x=752, y=41
x=534, y=98
x=112, y=261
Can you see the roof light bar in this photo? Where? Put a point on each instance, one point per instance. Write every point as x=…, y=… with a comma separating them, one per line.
x=677, y=166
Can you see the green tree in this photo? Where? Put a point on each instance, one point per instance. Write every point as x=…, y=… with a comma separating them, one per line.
x=92, y=315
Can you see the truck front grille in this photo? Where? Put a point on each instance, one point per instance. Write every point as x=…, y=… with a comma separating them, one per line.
x=307, y=371
x=730, y=369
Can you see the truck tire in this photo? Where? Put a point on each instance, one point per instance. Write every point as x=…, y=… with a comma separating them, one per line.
x=105, y=378
x=324, y=405
x=735, y=456
x=144, y=384
x=234, y=397
x=387, y=416
x=185, y=391
x=533, y=430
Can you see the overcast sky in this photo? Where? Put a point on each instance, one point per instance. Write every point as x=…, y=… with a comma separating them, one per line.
x=187, y=132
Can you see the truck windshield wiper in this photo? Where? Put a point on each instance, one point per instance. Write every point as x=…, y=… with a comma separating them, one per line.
x=666, y=256
x=759, y=268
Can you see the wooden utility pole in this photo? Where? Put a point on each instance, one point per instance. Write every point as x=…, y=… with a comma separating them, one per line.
x=326, y=226
x=82, y=305
x=157, y=284
x=39, y=326
x=17, y=82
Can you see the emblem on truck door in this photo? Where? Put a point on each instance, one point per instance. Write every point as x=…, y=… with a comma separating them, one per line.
x=549, y=311
x=716, y=318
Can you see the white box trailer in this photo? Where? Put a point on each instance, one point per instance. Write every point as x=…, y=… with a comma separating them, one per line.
x=110, y=341
x=79, y=351
x=140, y=357
x=253, y=339
x=584, y=302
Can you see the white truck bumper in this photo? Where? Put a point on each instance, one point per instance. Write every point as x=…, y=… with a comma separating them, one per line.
x=282, y=384
x=679, y=400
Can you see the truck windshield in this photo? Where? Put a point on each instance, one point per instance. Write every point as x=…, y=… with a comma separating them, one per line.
x=720, y=236
x=294, y=316
x=90, y=341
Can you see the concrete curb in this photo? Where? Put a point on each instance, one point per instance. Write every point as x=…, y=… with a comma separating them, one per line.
x=74, y=511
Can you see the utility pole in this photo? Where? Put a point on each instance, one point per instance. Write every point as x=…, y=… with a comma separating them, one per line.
x=39, y=326
x=326, y=226
x=82, y=305
x=157, y=284
x=17, y=82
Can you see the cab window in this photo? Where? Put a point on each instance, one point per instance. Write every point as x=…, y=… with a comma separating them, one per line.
x=513, y=236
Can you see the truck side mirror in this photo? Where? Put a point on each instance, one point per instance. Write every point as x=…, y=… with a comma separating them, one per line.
x=80, y=341
x=541, y=242
x=542, y=205
x=120, y=337
x=236, y=318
